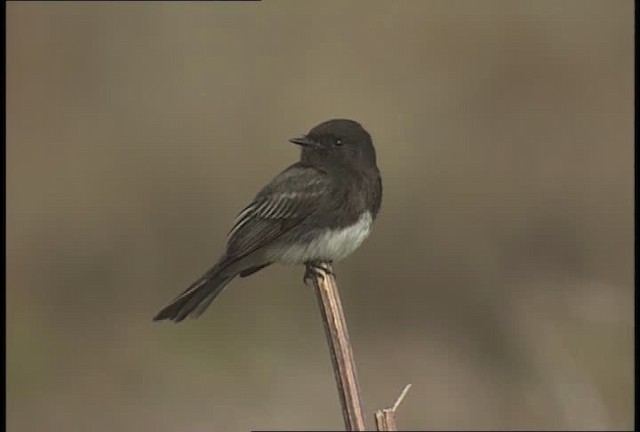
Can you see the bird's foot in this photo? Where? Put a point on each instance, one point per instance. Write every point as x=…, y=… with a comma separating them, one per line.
x=315, y=269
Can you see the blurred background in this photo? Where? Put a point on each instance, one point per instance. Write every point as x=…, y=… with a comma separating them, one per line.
x=498, y=279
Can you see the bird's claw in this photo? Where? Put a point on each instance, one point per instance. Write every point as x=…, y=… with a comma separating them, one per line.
x=315, y=270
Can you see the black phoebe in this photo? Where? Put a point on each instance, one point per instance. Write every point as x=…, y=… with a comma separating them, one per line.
x=318, y=210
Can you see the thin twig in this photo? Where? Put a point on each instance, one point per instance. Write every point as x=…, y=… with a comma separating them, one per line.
x=386, y=418
x=344, y=366
x=401, y=397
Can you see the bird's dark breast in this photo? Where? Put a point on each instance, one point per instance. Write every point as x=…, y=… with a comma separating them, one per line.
x=363, y=195
x=375, y=194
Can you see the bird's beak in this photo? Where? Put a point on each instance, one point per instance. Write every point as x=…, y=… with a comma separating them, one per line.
x=303, y=140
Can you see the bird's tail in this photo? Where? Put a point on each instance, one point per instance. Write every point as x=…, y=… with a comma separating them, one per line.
x=195, y=299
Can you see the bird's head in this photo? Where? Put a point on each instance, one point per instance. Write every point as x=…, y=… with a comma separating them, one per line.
x=337, y=142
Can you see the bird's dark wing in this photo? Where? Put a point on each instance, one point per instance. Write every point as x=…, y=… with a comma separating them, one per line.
x=285, y=202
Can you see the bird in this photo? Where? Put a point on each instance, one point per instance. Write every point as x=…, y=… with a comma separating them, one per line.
x=317, y=211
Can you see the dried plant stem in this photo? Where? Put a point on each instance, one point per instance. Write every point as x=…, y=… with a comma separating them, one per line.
x=340, y=347
x=386, y=418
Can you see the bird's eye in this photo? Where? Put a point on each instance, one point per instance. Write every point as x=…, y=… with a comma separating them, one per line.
x=338, y=142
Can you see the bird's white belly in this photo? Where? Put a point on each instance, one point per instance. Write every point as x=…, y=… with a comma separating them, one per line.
x=332, y=245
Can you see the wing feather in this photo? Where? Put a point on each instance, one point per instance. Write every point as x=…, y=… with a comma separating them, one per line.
x=289, y=199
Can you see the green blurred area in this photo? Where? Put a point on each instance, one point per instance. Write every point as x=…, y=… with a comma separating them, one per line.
x=498, y=279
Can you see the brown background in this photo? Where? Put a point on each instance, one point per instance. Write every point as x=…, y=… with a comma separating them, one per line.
x=498, y=279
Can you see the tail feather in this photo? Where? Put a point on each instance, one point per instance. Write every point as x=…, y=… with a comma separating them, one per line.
x=195, y=299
